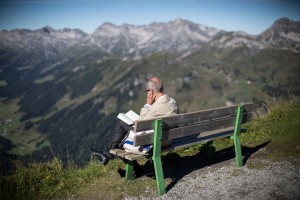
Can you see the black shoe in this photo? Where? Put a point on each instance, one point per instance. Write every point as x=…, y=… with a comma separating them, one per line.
x=102, y=157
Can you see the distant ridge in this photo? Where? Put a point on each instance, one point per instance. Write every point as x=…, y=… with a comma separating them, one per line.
x=131, y=40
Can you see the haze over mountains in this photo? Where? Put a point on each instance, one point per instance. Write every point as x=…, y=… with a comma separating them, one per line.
x=65, y=87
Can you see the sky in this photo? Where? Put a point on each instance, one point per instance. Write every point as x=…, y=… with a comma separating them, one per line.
x=250, y=16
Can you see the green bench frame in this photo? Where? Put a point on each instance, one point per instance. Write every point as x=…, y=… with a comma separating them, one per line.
x=188, y=129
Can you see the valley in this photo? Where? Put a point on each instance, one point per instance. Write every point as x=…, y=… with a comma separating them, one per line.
x=60, y=95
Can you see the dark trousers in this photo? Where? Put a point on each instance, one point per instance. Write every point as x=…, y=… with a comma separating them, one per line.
x=120, y=132
x=118, y=135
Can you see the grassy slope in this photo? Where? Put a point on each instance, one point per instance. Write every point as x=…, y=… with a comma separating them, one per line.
x=279, y=129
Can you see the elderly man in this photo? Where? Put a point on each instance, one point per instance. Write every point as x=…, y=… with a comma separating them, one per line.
x=158, y=104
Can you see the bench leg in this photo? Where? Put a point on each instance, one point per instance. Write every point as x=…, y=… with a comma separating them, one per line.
x=129, y=170
x=159, y=174
x=236, y=137
x=238, y=151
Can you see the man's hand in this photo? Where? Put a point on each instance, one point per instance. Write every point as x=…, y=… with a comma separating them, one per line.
x=150, y=98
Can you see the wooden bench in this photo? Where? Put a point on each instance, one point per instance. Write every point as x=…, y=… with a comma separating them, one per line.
x=185, y=130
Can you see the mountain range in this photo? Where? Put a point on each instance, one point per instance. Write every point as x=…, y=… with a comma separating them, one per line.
x=64, y=88
x=174, y=36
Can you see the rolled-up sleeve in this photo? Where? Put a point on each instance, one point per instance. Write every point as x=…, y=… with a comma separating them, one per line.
x=148, y=112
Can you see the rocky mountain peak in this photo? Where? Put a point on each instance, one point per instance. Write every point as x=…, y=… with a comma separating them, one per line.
x=46, y=29
x=180, y=20
x=106, y=29
x=107, y=25
x=285, y=23
x=282, y=34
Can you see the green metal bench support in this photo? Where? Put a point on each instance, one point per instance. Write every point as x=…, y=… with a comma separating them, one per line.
x=156, y=157
x=129, y=170
x=236, y=136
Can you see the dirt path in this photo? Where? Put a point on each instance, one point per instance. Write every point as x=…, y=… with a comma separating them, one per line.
x=258, y=179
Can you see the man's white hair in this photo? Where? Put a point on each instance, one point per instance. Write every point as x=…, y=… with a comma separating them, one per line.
x=155, y=84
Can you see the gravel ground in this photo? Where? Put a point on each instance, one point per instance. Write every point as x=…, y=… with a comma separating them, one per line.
x=224, y=181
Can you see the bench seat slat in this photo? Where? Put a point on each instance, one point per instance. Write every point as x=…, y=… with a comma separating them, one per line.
x=133, y=157
x=119, y=152
x=124, y=154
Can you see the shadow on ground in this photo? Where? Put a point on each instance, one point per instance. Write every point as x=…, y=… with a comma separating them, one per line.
x=176, y=167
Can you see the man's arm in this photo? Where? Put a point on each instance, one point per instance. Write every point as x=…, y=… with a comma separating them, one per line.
x=147, y=110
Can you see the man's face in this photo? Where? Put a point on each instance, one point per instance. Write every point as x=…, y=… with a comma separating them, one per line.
x=150, y=95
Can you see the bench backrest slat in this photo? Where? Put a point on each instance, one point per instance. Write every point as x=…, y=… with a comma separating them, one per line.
x=190, y=130
x=191, y=118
